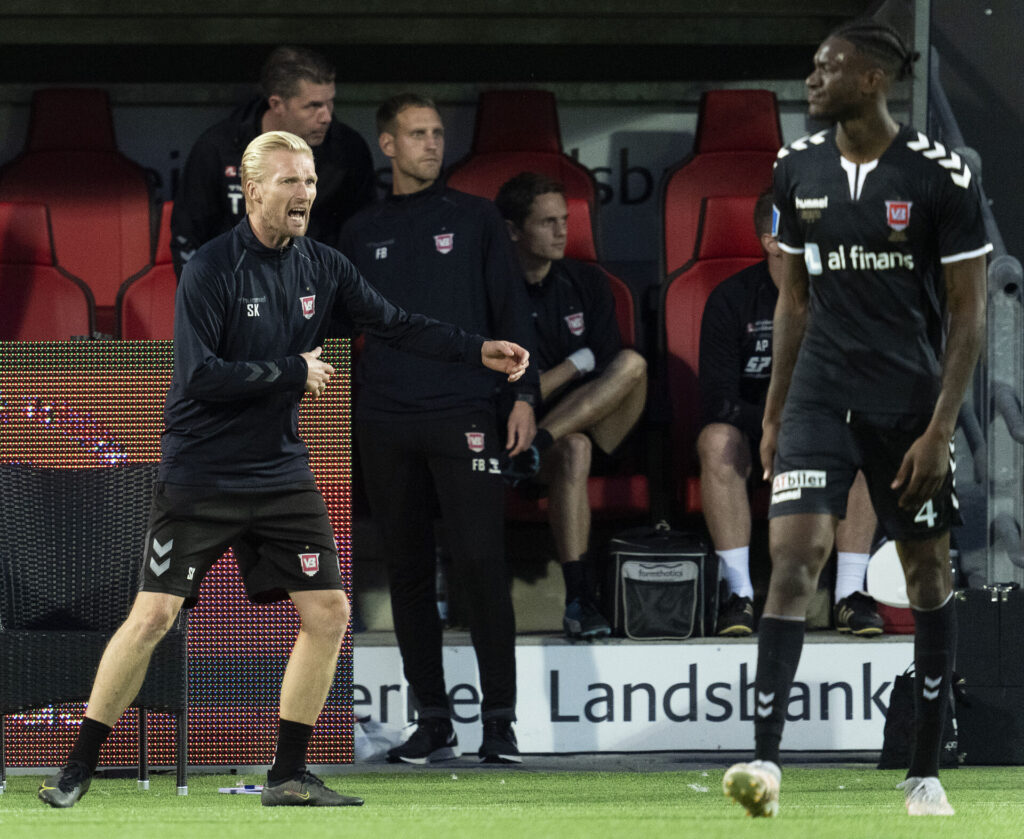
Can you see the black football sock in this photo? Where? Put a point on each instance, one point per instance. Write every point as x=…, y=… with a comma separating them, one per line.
x=290, y=757
x=575, y=575
x=779, y=644
x=934, y=642
x=91, y=737
x=543, y=440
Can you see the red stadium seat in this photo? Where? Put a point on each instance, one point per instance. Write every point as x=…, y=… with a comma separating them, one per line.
x=727, y=244
x=99, y=200
x=738, y=136
x=517, y=131
x=145, y=305
x=38, y=302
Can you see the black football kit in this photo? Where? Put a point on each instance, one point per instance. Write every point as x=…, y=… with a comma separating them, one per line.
x=736, y=350
x=244, y=313
x=209, y=199
x=427, y=430
x=874, y=238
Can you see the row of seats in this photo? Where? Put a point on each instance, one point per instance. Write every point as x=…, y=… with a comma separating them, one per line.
x=82, y=263
x=41, y=300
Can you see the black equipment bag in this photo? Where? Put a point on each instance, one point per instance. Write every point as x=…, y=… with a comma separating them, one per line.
x=662, y=584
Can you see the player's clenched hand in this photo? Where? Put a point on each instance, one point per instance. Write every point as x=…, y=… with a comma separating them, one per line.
x=318, y=373
x=505, y=357
x=923, y=470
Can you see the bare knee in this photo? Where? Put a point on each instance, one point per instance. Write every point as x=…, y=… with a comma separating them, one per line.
x=634, y=365
x=570, y=458
x=151, y=617
x=724, y=452
x=926, y=567
x=798, y=555
x=323, y=613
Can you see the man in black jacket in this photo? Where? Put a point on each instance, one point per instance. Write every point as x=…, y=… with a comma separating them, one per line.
x=429, y=431
x=297, y=96
x=592, y=390
x=251, y=313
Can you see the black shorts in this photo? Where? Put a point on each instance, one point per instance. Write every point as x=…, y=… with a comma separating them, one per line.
x=282, y=540
x=820, y=450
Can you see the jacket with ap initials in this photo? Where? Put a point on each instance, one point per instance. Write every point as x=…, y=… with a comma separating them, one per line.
x=243, y=314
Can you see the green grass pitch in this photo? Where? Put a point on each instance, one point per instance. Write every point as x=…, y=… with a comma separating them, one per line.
x=840, y=802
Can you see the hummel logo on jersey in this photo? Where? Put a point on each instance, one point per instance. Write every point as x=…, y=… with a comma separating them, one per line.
x=575, y=323
x=959, y=172
x=262, y=370
x=444, y=242
x=308, y=306
x=812, y=203
x=764, y=704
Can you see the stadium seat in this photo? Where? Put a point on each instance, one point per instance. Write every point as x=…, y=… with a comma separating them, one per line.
x=38, y=302
x=69, y=573
x=517, y=131
x=99, y=200
x=145, y=305
x=727, y=244
x=738, y=135
x=625, y=493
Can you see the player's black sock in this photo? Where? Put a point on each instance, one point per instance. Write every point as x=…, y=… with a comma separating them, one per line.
x=543, y=440
x=575, y=575
x=934, y=642
x=92, y=734
x=779, y=644
x=290, y=757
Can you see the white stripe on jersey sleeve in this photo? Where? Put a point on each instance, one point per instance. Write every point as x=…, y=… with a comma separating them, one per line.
x=959, y=257
x=789, y=248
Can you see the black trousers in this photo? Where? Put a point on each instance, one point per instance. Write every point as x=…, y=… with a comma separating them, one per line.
x=406, y=465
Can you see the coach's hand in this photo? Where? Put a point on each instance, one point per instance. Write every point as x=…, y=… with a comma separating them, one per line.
x=505, y=357
x=318, y=373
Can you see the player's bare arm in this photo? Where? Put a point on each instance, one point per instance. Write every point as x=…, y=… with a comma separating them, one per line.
x=926, y=462
x=505, y=357
x=788, y=327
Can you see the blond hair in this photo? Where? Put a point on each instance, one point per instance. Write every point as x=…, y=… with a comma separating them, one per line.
x=254, y=158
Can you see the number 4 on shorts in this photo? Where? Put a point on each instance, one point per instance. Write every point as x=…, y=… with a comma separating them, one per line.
x=926, y=514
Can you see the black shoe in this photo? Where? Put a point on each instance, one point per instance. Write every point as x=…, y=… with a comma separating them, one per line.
x=735, y=617
x=305, y=790
x=433, y=740
x=499, y=744
x=67, y=786
x=858, y=614
x=582, y=620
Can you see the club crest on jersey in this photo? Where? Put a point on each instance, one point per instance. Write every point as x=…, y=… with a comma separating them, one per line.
x=444, y=242
x=897, y=214
x=310, y=564
x=308, y=306
x=575, y=323
x=475, y=441
x=230, y=171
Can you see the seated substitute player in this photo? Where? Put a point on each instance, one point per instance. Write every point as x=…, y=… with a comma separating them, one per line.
x=592, y=391
x=252, y=310
x=885, y=246
x=735, y=365
x=296, y=95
